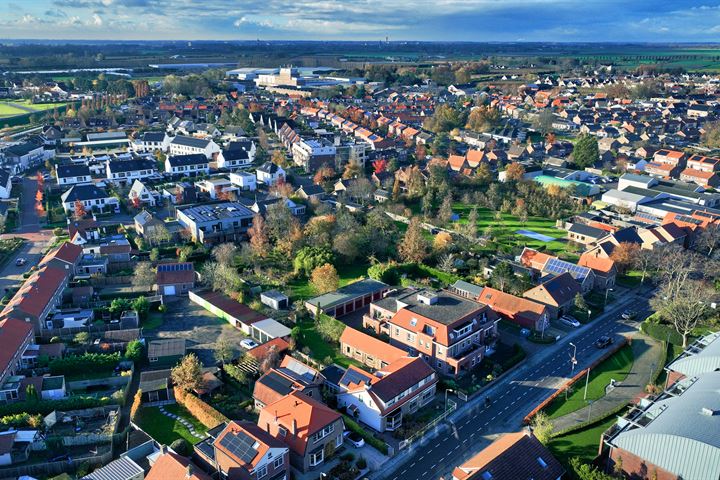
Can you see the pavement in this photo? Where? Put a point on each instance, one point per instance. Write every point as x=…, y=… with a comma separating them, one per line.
x=647, y=353
x=513, y=396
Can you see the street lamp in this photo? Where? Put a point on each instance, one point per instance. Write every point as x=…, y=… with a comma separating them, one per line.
x=446, y=392
x=606, y=294
x=573, y=361
x=589, y=312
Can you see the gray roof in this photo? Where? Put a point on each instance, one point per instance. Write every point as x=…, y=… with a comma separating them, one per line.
x=272, y=328
x=468, y=287
x=192, y=159
x=215, y=212
x=83, y=192
x=133, y=165
x=587, y=230
x=72, y=170
x=121, y=469
x=701, y=357
x=190, y=142
x=679, y=433
x=169, y=347
x=347, y=293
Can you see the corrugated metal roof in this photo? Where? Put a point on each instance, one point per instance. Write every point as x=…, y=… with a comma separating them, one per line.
x=121, y=469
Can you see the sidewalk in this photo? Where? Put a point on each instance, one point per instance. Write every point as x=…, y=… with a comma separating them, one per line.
x=647, y=352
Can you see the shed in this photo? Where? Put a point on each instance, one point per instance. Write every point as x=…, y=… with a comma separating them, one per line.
x=275, y=299
x=166, y=351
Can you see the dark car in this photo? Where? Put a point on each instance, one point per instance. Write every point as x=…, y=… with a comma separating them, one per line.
x=603, y=341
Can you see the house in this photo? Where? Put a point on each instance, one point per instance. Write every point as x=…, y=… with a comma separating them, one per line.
x=309, y=428
x=175, y=278
x=83, y=231
x=171, y=465
x=585, y=234
x=22, y=156
x=123, y=172
x=513, y=456
x=244, y=451
x=310, y=192
x=234, y=312
x=152, y=142
x=245, y=181
x=291, y=376
x=140, y=195
x=92, y=198
x=72, y=174
x=124, y=468
x=38, y=297
x=348, y=298
x=545, y=264
x=604, y=269
x=234, y=158
x=15, y=336
x=558, y=293
x=368, y=350
x=518, y=310
x=270, y=174
x=166, y=352
x=181, y=145
x=188, y=165
x=217, y=188
x=146, y=222
x=382, y=399
x=451, y=332
x=215, y=223
x=65, y=257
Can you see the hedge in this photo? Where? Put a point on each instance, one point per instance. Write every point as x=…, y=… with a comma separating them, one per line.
x=137, y=401
x=376, y=443
x=391, y=273
x=44, y=407
x=517, y=356
x=205, y=414
x=661, y=332
x=83, y=363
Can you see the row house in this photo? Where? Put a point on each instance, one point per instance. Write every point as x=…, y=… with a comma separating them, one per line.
x=368, y=350
x=15, y=337
x=152, y=142
x=72, y=174
x=181, y=145
x=91, y=197
x=124, y=172
x=237, y=154
x=450, y=332
x=291, y=376
x=187, y=165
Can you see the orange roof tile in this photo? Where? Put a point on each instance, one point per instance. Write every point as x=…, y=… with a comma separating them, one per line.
x=172, y=465
x=371, y=345
x=596, y=263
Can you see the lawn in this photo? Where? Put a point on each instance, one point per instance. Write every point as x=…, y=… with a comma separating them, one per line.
x=616, y=367
x=630, y=279
x=302, y=290
x=153, y=321
x=582, y=443
x=165, y=429
x=7, y=110
x=11, y=109
x=506, y=227
x=321, y=349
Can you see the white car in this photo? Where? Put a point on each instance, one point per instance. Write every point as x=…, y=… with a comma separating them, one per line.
x=248, y=344
x=569, y=321
x=355, y=440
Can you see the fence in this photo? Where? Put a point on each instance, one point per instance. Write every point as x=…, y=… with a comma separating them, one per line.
x=50, y=469
x=421, y=433
x=107, y=281
x=119, y=333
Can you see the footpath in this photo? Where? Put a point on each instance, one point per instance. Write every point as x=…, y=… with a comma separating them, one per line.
x=647, y=353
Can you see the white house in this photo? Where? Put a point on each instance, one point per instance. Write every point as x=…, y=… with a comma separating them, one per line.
x=214, y=187
x=181, y=145
x=270, y=174
x=244, y=180
x=151, y=142
x=142, y=193
x=191, y=164
x=5, y=183
x=235, y=158
x=125, y=171
x=92, y=197
x=22, y=156
x=72, y=174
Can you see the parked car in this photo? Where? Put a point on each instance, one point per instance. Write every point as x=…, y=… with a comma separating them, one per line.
x=525, y=332
x=603, y=341
x=628, y=315
x=248, y=344
x=569, y=321
x=354, y=438
x=20, y=262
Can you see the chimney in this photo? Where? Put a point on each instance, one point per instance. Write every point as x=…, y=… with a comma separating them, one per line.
x=189, y=471
x=294, y=426
x=267, y=427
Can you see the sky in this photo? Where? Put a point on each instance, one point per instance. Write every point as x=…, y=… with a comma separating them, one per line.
x=663, y=21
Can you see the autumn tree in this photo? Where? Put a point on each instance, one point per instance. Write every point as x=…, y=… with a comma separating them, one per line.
x=414, y=245
x=144, y=275
x=79, y=210
x=324, y=279
x=542, y=427
x=514, y=172
x=225, y=253
x=711, y=135
x=379, y=165
x=323, y=174
x=624, y=255
x=259, y=240
x=224, y=351
x=221, y=277
x=187, y=375
x=442, y=241
x=352, y=170
x=279, y=158
x=482, y=119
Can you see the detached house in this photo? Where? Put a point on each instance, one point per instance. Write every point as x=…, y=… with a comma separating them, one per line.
x=309, y=428
x=141, y=195
x=72, y=174
x=380, y=400
x=520, y=311
x=558, y=293
x=244, y=451
x=291, y=376
x=270, y=174
x=91, y=197
x=5, y=183
x=190, y=165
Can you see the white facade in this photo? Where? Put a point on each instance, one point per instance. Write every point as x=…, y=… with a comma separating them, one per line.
x=189, y=170
x=244, y=181
x=208, y=150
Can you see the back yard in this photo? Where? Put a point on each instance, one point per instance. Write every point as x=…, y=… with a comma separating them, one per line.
x=165, y=429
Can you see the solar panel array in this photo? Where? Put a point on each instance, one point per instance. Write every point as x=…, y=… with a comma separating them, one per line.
x=174, y=267
x=353, y=376
x=557, y=266
x=239, y=444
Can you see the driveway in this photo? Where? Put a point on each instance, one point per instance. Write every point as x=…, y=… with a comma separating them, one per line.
x=200, y=328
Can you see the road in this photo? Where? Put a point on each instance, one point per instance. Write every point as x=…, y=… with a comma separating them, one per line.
x=474, y=426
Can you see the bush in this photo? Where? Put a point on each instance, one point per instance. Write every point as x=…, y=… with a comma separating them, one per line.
x=329, y=328
x=43, y=407
x=134, y=350
x=181, y=446
x=84, y=363
x=517, y=356
x=661, y=332
x=348, y=457
x=205, y=414
x=361, y=463
x=137, y=401
x=385, y=272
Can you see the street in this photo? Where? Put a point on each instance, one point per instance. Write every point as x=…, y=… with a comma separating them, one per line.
x=474, y=426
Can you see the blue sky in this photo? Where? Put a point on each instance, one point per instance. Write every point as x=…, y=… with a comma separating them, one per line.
x=451, y=20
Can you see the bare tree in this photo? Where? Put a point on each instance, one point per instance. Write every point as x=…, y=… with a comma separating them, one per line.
x=144, y=275
x=225, y=253
x=709, y=239
x=646, y=261
x=683, y=303
x=158, y=234
x=224, y=351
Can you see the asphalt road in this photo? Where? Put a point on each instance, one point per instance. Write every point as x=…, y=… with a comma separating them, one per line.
x=474, y=426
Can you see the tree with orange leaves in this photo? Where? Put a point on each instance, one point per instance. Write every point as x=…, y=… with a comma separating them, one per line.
x=379, y=165
x=624, y=255
x=79, y=210
x=514, y=172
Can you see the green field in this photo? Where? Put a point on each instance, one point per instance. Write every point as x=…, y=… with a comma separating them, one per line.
x=165, y=429
x=616, y=367
x=583, y=443
x=504, y=229
x=15, y=107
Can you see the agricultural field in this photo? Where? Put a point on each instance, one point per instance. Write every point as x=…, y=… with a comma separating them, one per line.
x=13, y=108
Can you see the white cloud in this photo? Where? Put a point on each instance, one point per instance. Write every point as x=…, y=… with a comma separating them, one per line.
x=97, y=20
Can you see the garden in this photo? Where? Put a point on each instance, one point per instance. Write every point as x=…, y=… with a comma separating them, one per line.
x=166, y=429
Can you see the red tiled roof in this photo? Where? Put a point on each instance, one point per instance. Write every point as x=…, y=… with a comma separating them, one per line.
x=67, y=252
x=517, y=309
x=173, y=466
x=371, y=345
x=37, y=292
x=264, y=440
x=595, y=262
x=261, y=351
x=13, y=335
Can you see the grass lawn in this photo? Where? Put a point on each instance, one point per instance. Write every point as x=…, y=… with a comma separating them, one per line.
x=630, y=279
x=165, y=429
x=153, y=321
x=321, y=349
x=582, y=443
x=302, y=290
x=505, y=229
x=7, y=110
x=616, y=367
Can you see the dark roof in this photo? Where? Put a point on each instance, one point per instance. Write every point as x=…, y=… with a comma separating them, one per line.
x=277, y=383
x=84, y=192
x=72, y=170
x=333, y=374
x=402, y=379
x=131, y=165
x=628, y=235
x=153, y=137
x=193, y=159
x=172, y=273
x=168, y=347
x=312, y=190
x=235, y=154
x=4, y=177
x=587, y=231
x=22, y=149
x=190, y=141
x=562, y=288
x=268, y=167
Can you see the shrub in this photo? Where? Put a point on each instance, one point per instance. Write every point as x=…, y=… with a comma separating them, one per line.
x=85, y=362
x=43, y=407
x=347, y=457
x=660, y=331
x=137, y=400
x=385, y=272
x=361, y=463
x=181, y=447
x=205, y=414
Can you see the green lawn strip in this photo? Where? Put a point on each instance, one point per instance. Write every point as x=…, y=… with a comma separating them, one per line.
x=616, y=367
x=582, y=443
x=165, y=429
x=321, y=349
x=630, y=279
x=153, y=321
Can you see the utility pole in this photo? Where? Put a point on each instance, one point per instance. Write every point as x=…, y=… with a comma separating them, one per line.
x=587, y=379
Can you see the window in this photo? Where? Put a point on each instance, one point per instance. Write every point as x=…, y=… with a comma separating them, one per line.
x=279, y=462
x=261, y=471
x=317, y=457
x=338, y=440
x=282, y=431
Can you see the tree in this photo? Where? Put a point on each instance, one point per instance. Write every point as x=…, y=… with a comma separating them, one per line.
x=144, y=275
x=158, y=234
x=309, y=258
x=543, y=122
x=134, y=350
x=683, y=302
x=225, y=253
x=259, y=241
x=482, y=119
x=542, y=427
x=584, y=471
x=79, y=211
x=586, y=151
x=624, y=255
x=224, y=351
x=445, y=212
x=514, y=172
x=442, y=241
x=119, y=305
x=324, y=279
x=82, y=338
x=414, y=245
x=580, y=303
x=446, y=263
x=379, y=165
x=141, y=306
x=502, y=276
x=236, y=373
x=279, y=158
x=221, y=277
x=444, y=119
x=352, y=170
x=709, y=239
x=711, y=135
x=187, y=375
x=646, y=261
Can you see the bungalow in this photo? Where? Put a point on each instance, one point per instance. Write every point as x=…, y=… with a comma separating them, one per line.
x=91, y=197
x=291, y=376
x=181, y=145
x=125, y=171
x=368, y=350
x=72, y=174
x=140, y=195
x=585, y=234
x=309, y=428
x=237, y=314
x=558, y=293
x=244, y=451
x=520, y=311
x=382, y=399
x=189, y=165
x=175, y=278
x=604, y=269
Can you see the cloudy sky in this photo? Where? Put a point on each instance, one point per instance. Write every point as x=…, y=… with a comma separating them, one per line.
x=463, y=20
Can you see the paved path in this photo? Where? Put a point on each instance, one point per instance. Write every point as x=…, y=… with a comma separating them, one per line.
x=647, y=353
x=183, y=422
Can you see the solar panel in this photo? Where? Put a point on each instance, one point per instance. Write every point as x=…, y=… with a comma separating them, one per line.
x=353, y=376
x=239, y=444
x=557, y=266
x=174, y=267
